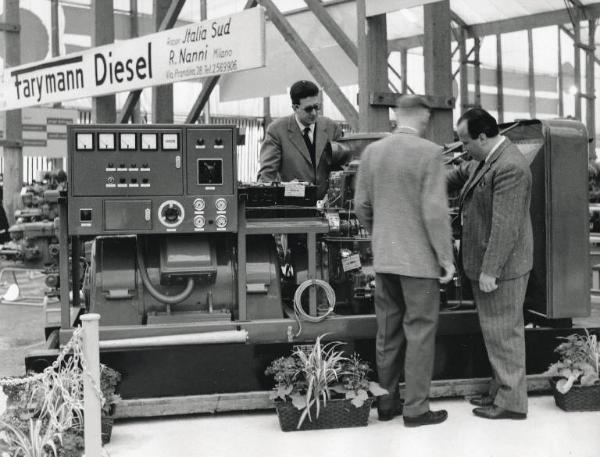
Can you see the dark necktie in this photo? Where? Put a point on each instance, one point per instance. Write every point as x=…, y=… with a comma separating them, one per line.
x=311, y=148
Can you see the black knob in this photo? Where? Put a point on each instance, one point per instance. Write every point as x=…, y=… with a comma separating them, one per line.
x=110, y=165
x=133, y=165
x=133, y=180
x=122, y=180
x=171, y=213
x=144, y=165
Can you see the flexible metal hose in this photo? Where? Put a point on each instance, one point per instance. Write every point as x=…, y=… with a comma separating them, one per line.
x=299, y=311
x=167, y=299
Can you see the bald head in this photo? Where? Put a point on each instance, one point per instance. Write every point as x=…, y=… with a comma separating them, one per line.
x=413, y=111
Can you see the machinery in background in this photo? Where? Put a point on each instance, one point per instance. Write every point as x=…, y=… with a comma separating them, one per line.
x=178, y=248
x=34, y=236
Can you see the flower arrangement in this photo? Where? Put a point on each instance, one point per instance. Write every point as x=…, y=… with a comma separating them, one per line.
x=578, y=364
x=310, y=379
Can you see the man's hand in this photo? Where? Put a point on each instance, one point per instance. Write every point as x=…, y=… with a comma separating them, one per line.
x=487, y=283
x=448, y=273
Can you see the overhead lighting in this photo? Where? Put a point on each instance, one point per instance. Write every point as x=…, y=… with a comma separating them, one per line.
x=573, y=90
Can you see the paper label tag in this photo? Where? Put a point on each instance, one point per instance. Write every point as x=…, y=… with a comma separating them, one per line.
x=333, y=219
x=294, y=189
x=351, y=263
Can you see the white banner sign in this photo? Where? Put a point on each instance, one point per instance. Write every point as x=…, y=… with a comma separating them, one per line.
x=212, y=47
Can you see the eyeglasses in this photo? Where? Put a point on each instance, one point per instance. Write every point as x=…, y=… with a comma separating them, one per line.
x=309, y=109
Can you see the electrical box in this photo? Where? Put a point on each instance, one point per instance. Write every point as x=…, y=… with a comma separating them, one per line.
x=148, y=179
x=559, y=284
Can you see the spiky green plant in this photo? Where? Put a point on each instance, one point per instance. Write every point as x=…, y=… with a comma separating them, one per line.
x=579, y=362
x=39, y=442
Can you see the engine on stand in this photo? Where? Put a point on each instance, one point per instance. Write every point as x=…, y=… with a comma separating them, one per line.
x=34, y=236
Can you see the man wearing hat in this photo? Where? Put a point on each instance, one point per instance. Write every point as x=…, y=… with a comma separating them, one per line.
x=401, y=199
x=297, y=147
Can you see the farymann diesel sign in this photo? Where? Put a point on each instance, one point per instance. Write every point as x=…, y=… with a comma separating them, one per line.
x=212, y=47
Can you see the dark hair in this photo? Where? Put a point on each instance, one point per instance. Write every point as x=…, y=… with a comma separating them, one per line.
x=479, y=121
x=303, y=89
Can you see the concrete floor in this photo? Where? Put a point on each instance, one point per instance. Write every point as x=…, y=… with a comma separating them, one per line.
x=547, y=432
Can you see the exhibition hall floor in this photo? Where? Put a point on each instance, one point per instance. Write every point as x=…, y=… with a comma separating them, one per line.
x=547, y=432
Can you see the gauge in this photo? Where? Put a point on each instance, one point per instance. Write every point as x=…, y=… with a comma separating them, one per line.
x=106, y=141
x=221, y=221
x=199, y=204
x=221, y=204
x=84, y=141
x=148, y=141
x=127, y=141
x=170, y=141
x=199, y=221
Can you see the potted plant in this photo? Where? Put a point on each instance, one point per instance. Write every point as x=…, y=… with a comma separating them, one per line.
x=324, y=386
x=109, y=380
x=575, y=377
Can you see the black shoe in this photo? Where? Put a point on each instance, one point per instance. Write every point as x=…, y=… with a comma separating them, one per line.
x=428, y=418
x=387, y=410
x=482, y=400
x=495, y=412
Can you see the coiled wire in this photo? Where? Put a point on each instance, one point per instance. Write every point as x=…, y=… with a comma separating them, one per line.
x=299, y=312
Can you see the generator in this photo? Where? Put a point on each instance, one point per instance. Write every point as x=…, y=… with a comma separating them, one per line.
x=190, y=273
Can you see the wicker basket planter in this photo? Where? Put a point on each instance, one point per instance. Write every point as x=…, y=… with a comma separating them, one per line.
x=578, y=398
x=338, y=413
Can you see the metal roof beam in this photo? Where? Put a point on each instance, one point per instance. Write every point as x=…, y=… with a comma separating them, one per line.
x=168, y=22
x=344, y=42
x=313, y=65
x=514, y=24
x=208, y=84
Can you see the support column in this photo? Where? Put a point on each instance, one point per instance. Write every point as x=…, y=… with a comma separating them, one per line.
x=561, y=88
x=464, y=74
x=56, y=162
x=162, y=96
x=206, y=110
x=499, y=78
x=372, y=69
x=577, y=65
x=438, y=66
x=477, y=72
x=590, y=86
x=13, y=146
x=133, y=22
x=404, y=70
x=104, y=107
x=531, y=75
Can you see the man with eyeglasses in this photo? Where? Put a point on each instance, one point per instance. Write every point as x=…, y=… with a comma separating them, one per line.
x=298, y=147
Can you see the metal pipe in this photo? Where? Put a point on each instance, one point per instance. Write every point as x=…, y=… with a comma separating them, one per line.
x=227, y=336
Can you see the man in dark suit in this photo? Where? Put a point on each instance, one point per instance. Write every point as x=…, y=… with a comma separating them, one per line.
x=401, y=200
x=297, y=147
x=497, y=255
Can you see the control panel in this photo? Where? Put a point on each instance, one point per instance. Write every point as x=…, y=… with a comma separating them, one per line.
x=129, y=179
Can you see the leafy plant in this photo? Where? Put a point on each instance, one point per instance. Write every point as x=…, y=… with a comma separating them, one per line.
x=579, y=362
x=39, y=442
x=109, y=380
x=309, y=378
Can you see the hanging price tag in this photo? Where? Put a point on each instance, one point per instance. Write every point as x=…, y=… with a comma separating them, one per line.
x=351, y=263
x=294, y=189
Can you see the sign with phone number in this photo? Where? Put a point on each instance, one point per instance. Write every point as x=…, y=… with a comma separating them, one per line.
x=212, y=47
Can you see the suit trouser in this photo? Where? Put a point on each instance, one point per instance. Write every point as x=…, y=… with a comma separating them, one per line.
x=407, y=310
x=501, y=319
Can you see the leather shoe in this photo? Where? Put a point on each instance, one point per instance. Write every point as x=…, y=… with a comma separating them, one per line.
x=482, y=400
x=496, y=412
x=388, y=410
x=428, y=418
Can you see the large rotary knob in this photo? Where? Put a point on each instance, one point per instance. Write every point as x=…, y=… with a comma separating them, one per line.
x=171, y=213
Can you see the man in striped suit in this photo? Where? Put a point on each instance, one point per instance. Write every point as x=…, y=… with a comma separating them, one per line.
x=497, y=255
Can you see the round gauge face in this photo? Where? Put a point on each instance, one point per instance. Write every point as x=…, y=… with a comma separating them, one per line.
x=170, y=141
x=106, y=141
x=149, y=141
x=221, y=204
x=84, y=141
x=127, y=141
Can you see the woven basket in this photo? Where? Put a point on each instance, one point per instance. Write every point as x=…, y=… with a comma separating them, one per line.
x=578, y=398
x=337, y=414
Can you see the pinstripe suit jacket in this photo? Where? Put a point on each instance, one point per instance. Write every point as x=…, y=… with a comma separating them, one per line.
x=497, y=237
x=285, y=157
